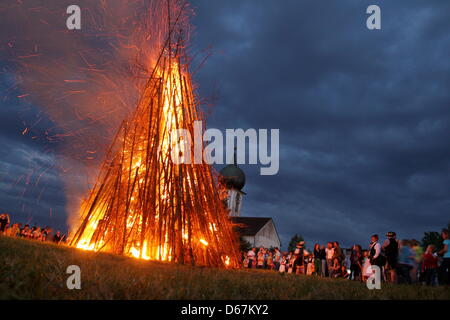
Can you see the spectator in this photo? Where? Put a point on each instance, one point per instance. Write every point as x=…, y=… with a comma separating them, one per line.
x=445, y=252
x=261, y=258
x=245, y=260
x=277, y=259
x=356, y=262
x=251, y=256
x=323, y=269
x=299, y=254
x=329, y=251
x=57, y=238
x=336, y=268
x=291, y=262
x=405, y=262
x=283, y=263
x=418, y=255
x=390, y=247
x=338, y=253
x=429, y=266
x=270, y=264
x=309, y=264
x=317, y=260
x=367, y=268
x=4, y=222
x=376, y=259
x=14, y=231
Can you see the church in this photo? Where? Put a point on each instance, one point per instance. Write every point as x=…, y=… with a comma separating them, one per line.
x=259, y=232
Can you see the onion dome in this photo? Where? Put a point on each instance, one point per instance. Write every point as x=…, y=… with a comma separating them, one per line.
x=233, y=176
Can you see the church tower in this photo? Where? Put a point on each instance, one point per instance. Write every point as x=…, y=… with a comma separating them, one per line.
x=234, y=179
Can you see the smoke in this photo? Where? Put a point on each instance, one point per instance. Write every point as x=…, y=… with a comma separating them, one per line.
x=85, y=81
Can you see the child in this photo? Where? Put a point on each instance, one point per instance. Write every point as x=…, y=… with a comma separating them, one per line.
x=283, y=264
x=429, y=266
x=336, y=270
x=291, y=263
x=270, y=264
x=310, y=266
x=261, y=258
x=366, y=270
x=344, y=272
x=246, y=261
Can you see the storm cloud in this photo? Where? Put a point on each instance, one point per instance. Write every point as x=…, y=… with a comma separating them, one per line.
x=364, y=116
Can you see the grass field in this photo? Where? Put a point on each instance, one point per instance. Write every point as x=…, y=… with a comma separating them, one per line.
x=32, y=270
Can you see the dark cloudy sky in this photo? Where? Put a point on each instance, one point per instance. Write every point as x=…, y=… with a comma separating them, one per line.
x=364, y=116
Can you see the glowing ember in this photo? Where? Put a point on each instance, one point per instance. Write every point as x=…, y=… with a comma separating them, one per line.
x=145, y=206
x=142, y=205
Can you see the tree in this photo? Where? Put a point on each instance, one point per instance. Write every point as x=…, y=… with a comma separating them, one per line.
x=245, y=245
x=433, y=238
x=294, y=241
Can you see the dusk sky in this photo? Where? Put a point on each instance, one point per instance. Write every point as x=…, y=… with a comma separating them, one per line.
x=364, y=116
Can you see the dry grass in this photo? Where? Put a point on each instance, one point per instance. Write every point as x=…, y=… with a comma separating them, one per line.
x=32, y=270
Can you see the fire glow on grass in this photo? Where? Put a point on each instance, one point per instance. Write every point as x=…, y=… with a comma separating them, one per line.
x=128, y=62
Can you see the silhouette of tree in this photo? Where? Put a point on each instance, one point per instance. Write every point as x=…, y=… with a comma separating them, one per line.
x=294, y=241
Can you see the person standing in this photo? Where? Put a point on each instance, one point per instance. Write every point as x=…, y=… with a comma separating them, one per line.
x=418, y=256
x=323, y=261
x=329, y=252
x=277, y=259
x=405, y=262
x=245, y=260
x=261, y=259
x=283, y=262
x=270, y=264
x=317, y=260
x=251, y=257
x=57, y=238
x=375, y=256
x=338, y=253
x=390, y=248
x=429, y=266
x=4, y=222
x=445, y=252
x=367, y=268
x=299, y=254
x=356, y=262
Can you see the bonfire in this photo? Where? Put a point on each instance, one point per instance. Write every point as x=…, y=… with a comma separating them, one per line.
x=143, y=204
x=130, y=62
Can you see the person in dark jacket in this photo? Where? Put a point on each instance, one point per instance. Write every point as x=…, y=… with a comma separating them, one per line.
x=390, y=249
x=356, y=262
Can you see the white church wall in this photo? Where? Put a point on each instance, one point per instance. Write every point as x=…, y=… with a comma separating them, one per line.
x=267, y=237
x=250, y=240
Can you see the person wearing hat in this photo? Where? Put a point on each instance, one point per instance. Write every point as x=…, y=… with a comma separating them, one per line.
x=298, y=267
x=390, y=249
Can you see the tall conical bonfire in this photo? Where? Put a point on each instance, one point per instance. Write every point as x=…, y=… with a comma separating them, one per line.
x=144, y=204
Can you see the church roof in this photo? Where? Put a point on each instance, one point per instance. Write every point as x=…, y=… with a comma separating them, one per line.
x=250, y=226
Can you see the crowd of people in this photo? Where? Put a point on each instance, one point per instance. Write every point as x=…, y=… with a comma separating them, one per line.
x=402, y=261
x=28, y=232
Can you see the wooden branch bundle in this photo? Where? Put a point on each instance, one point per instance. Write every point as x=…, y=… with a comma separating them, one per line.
x=143, y=204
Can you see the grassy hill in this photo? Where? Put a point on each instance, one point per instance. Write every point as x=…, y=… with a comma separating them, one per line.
x=33, y=270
